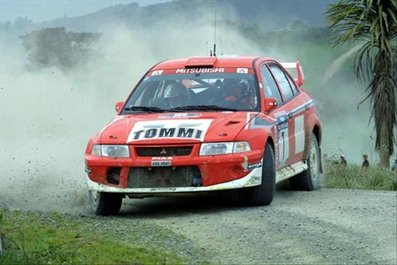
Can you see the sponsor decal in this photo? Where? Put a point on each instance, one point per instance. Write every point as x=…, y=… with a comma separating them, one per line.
x=203, y=70
x=166, y=129
x=282, y=119
x=301, y=108
x=263, y=121
x=161, y=161
x=255, y=180
x=158, y=72
x=254, y=165
x=282, y=126
x=283, y=139
x=199, y=70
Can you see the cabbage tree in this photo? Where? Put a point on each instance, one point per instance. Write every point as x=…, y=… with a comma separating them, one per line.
x=373, y=25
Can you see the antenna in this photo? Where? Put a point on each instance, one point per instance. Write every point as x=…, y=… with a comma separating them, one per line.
x=215, y=36
x=220, y=42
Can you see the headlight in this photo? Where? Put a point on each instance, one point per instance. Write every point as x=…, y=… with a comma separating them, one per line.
x=224, y=148
x=111, y=150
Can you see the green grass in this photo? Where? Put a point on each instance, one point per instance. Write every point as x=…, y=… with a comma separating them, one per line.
x=53, y=238
x=355, y=177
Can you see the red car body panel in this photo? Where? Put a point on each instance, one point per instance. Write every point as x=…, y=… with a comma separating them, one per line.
x=288, y=127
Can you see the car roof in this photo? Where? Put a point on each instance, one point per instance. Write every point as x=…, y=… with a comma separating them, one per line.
x=209, y=61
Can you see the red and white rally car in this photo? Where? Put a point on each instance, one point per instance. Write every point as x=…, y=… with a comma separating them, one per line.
x=206, y=124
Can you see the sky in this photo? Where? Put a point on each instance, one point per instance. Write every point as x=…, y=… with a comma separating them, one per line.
x=43, y=10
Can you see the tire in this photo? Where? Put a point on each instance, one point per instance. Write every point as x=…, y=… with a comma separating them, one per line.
x=309, y=179
x=104, y=203
x=264, y=193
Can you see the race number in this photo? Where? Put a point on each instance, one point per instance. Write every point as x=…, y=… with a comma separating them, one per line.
x=283, y=142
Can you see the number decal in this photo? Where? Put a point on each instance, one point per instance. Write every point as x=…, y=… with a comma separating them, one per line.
x=283, y=142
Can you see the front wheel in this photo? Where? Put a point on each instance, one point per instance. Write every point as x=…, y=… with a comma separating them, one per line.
x=310, y=179
x=264, y=193
x=104, y=203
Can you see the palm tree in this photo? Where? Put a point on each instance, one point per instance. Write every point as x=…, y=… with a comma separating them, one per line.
x=372, y=24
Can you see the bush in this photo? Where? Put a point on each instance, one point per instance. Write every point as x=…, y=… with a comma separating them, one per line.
x=355, y=177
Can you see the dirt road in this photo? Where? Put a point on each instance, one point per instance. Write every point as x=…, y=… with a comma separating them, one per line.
x=321, y=227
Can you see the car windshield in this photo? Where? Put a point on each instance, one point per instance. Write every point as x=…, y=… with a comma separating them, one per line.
x=202, y=89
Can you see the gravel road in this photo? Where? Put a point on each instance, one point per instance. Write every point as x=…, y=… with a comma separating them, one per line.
x=328, y=226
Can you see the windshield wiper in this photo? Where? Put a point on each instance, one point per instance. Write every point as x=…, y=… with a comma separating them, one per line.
x=202, y=107
x=144, y=108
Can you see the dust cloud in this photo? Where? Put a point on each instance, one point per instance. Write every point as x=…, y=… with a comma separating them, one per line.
x=348, y=129
x=47, y=116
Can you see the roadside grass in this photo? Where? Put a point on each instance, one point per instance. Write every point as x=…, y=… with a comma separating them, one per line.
x=54, y=238
x=355, y=177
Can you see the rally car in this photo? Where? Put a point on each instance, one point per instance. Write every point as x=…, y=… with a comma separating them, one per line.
x=207, y=124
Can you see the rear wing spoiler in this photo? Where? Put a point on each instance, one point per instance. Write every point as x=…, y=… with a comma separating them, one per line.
x=297, y=74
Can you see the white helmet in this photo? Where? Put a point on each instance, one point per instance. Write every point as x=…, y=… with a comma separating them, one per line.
x=174, y=90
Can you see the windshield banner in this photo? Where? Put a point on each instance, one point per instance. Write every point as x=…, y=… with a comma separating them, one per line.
x=202, y=71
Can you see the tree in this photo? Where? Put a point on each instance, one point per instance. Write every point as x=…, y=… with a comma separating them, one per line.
x=57, y=47
x=373, y=24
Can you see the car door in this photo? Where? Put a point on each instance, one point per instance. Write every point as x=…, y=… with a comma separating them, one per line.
x=290, y=125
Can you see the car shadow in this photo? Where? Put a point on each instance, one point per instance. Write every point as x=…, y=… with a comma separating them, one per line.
x=163, y=207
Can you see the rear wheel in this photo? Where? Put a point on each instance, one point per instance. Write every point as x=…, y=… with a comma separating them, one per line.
x=264, y=193
x=310, y=179
x=104, y=203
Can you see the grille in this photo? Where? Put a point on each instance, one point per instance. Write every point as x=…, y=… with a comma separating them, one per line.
x=164, y=151
x=158, y=177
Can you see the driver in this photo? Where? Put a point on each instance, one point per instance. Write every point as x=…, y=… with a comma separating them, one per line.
x=239, y=93
x=176, y=95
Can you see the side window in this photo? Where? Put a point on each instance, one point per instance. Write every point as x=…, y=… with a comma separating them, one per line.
x=292, y=84
x=269, y=85
x=282, y=81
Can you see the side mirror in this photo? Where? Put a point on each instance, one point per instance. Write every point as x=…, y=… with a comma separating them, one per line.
x=270, y=104
x=118, y=106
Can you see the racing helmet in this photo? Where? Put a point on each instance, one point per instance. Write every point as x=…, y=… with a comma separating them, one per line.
x=240, y=86
x=176, y=93
x=174, y=90
x=231, y=85
x=248, y=94
x=246, y=89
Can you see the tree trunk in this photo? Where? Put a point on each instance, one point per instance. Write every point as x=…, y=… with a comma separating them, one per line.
x=384, y=152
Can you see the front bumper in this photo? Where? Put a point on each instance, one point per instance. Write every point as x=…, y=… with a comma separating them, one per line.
x=252, y=179
x=218, y=172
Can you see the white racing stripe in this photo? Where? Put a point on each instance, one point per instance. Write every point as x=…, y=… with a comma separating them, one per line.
x=299, y=134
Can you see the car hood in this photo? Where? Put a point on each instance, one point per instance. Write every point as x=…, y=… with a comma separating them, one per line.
x=171, y=128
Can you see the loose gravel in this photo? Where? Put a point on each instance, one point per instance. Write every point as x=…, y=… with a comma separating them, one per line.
x=328, y=226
